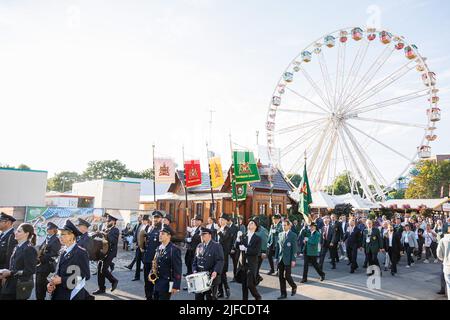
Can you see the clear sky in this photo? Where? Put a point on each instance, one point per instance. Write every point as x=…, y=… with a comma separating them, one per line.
x=96, y=80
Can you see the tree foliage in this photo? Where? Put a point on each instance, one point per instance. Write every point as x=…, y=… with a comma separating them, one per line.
x=295, y=179
x=63, y=181
x=105, y=169
x=431, y=178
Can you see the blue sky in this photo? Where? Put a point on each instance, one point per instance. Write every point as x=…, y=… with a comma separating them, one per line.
x=92, y=80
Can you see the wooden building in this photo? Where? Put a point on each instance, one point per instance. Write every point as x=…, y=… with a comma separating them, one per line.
x=262, y=199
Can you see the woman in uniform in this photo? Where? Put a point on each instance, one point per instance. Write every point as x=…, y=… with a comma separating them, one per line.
x=17, y=281
x=73, y=268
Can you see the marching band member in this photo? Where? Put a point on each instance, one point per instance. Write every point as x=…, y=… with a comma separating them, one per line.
x=83, y=240
x=112, y=234
x=140, y=234
x=167, y=220
x=61, y=285
x=373, y=243
x=192, y=240
x=22, y=266
x=286, y=255
x=250, y=249
x=212, y=225
x=48, y=253
x=226, y=241
x=151, y=245
x=209, y=258
x=272, y=243
x=169, y=265
x=311, y=251
x=7, y=239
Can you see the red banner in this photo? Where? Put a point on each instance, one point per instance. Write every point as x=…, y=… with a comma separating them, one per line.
x=192, y=172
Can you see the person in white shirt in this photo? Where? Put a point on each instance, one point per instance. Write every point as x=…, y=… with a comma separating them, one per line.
x=443, y=253
x=430, y=244
x=409, y=242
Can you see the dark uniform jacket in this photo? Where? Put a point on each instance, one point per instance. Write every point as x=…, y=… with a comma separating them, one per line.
x=113, y=241
x=22, y=266
x=210, y=259
x=152, y=243
x=287, y=247
x=226, y=239
x=76, y=257
x=195, y=240
x=7, y=245
x=374, y=242
x=169, y=268
x=337, y=232
x=47, y=260
x=353, y=239
x=248, y=260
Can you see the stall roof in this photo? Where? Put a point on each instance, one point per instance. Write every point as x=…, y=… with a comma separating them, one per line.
x=416, y=203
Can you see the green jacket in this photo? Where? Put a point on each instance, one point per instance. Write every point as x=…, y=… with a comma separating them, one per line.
x=287, y=247
x=311, y=248
x=274, y=231
x=263, y=234
x=375, y=241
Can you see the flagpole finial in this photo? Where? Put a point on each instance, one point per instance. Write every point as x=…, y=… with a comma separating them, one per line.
x=305, y=156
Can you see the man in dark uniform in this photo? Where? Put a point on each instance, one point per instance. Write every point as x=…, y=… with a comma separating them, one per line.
x=225, y=238
x=209, y=258
x=151, y=245
x=7, y=239
x=169, y=265
x=84, y=240
x=61, y=286
x=48, y=253
x=275, y=229
x=103, y=266
x=234, y=253
x=372, y=243
x=192, y=240
x=337, y=237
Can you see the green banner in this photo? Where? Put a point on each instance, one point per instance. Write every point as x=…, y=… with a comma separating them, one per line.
x=305, y=196
x=245, y=168
x=239, y=191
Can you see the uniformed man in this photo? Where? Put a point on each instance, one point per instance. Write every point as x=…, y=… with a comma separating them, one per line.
x=84, y=240
x=275, y=229
x=151, y=245
x=311, y=239
x=61, y=285
x=7, y=239
x=372, y=243
x=285, y=254
x=48, y=253
x=139, y=235
x=193, y=239
x=225, y=238
x=209, y=258
x=167, y=220
x=168, y=260
x=103, y=272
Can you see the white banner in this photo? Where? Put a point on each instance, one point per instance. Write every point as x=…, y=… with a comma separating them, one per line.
x=164, y=170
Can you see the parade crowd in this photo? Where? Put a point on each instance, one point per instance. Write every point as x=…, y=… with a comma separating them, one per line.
x=59, y=268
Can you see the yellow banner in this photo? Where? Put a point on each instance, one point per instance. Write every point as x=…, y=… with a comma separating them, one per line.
x=216, y=173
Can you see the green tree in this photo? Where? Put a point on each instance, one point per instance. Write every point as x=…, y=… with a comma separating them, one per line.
x=106, y=169
x=295, y=179
x=148, y=173
x=341, y=184
x=23, y=167
x=431, y=178
x=63, y=181
x=397, y=194
x=5, y=166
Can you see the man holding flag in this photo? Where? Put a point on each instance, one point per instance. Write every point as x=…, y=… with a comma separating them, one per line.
x=305, y=198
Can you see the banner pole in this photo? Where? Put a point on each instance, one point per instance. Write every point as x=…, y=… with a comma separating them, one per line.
x=154, y=177
x=232, y=178
x=212, y=212
x=186, y=193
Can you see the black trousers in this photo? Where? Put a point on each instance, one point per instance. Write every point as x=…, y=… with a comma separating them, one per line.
x=148, y=286
x=313, y=261
x=372, y=258
x=41, y=285
x=409, y=250
x=104, y=273
x=188, y=260
x=284, y=274
x=334, y=253
x=211, y=294
x=223, y=275
x=393, y=260
x=8, y=297
x=249, y=284
x=260, y=261
x=270, y=256
x=235, y=259
x=352, y=254
x=162, y=295
x=138, y=259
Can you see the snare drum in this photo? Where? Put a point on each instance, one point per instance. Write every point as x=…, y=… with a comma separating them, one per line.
x=198, y=282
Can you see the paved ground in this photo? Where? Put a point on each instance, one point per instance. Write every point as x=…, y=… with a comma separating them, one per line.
x=420, y=282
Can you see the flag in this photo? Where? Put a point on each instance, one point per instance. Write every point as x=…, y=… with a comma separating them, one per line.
x=216, y=173
x=245, y=168
x=239, y=191
x=192, y=173
x=305, y=197
x=164, y=170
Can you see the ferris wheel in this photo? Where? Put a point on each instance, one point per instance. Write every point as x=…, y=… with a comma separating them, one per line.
x=359, y=102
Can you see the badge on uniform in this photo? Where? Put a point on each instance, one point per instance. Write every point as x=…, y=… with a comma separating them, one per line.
x=374, y=238
x=288, y=244
x=368, y=240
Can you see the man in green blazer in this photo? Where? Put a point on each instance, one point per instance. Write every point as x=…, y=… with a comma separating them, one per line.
x=272, y=243
x=285, y=254
x=372, y=243
x=311, y=251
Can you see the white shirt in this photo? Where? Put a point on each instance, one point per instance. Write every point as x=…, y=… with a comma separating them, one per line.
x=249, y=236
x=391, y=235
x=406, y=237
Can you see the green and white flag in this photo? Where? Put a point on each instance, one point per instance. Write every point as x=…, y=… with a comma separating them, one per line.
x=245, y=167
x=305, y=197
x=239, y=191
